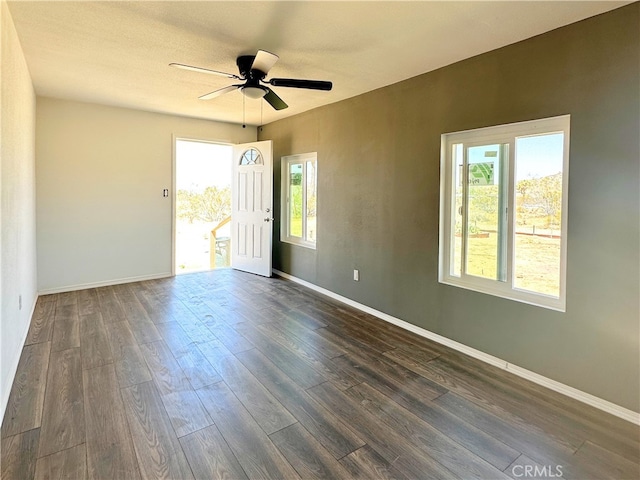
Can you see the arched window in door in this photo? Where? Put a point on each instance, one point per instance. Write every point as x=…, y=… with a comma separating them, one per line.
x=251, y=157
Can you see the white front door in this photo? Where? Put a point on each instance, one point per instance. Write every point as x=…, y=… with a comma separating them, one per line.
x=252, y=208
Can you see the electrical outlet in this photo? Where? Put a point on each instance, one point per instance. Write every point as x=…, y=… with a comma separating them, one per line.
x=356, y=275
x=19, y=302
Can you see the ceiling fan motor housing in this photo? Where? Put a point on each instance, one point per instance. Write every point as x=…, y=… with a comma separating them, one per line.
x=244, y=63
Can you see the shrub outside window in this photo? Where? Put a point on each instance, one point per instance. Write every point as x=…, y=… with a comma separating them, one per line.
x=503, y=217
x=299, y=199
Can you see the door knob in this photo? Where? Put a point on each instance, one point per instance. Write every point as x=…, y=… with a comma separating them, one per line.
x=268, y=219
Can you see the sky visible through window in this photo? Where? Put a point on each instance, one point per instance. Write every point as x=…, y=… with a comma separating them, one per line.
x=539, y=156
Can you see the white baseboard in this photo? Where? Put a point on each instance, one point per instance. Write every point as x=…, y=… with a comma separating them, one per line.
x=571, y=392
x=14, y=366
x=106, y=283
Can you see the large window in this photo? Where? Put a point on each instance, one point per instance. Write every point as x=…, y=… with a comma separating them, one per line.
x=299, y=199
x=503, y=218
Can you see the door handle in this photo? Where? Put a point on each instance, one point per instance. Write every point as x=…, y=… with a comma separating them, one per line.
x=268, y=219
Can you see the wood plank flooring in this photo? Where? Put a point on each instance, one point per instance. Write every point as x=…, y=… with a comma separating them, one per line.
x=229, y=375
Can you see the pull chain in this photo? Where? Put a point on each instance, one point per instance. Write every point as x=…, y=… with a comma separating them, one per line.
x=244, y=123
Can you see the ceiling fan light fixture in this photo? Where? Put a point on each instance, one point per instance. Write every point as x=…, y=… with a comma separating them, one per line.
x=254, y=92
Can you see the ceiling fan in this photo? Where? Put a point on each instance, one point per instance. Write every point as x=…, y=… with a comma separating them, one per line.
x=253, y=70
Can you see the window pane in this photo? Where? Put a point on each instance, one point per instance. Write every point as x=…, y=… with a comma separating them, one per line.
x=456, y=211
x=251, y=157
x=311, y=180
x=484, y=225
x=295, y=200
x=538, y=213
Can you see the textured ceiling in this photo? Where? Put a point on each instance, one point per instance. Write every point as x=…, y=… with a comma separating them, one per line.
x=117, y=53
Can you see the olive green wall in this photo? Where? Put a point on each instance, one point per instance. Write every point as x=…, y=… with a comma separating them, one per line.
x=378, y=196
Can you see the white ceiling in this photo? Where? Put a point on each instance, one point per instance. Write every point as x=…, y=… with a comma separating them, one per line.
x=117, y=53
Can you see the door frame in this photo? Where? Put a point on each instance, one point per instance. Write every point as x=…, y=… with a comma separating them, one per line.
x=174, y=194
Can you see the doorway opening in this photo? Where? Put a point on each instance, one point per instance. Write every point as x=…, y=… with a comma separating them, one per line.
x=202, y=206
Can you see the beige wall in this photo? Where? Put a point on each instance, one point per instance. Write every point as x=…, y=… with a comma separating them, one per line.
x=378, y=200
x=101, y=170
x=17, y=204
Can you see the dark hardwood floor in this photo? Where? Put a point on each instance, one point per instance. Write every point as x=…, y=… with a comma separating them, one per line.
x=226, y=375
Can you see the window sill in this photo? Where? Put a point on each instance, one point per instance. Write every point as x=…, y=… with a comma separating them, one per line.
x=537, y=300
x=299, y=243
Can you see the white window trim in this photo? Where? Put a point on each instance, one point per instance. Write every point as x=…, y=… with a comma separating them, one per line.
x=284, y=204
x=502, y=134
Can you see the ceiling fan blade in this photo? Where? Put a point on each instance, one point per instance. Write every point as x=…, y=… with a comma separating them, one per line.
x=274, y=100
x=219, y=92
x=203, y=70
x=310, y=84
x=264, y=61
